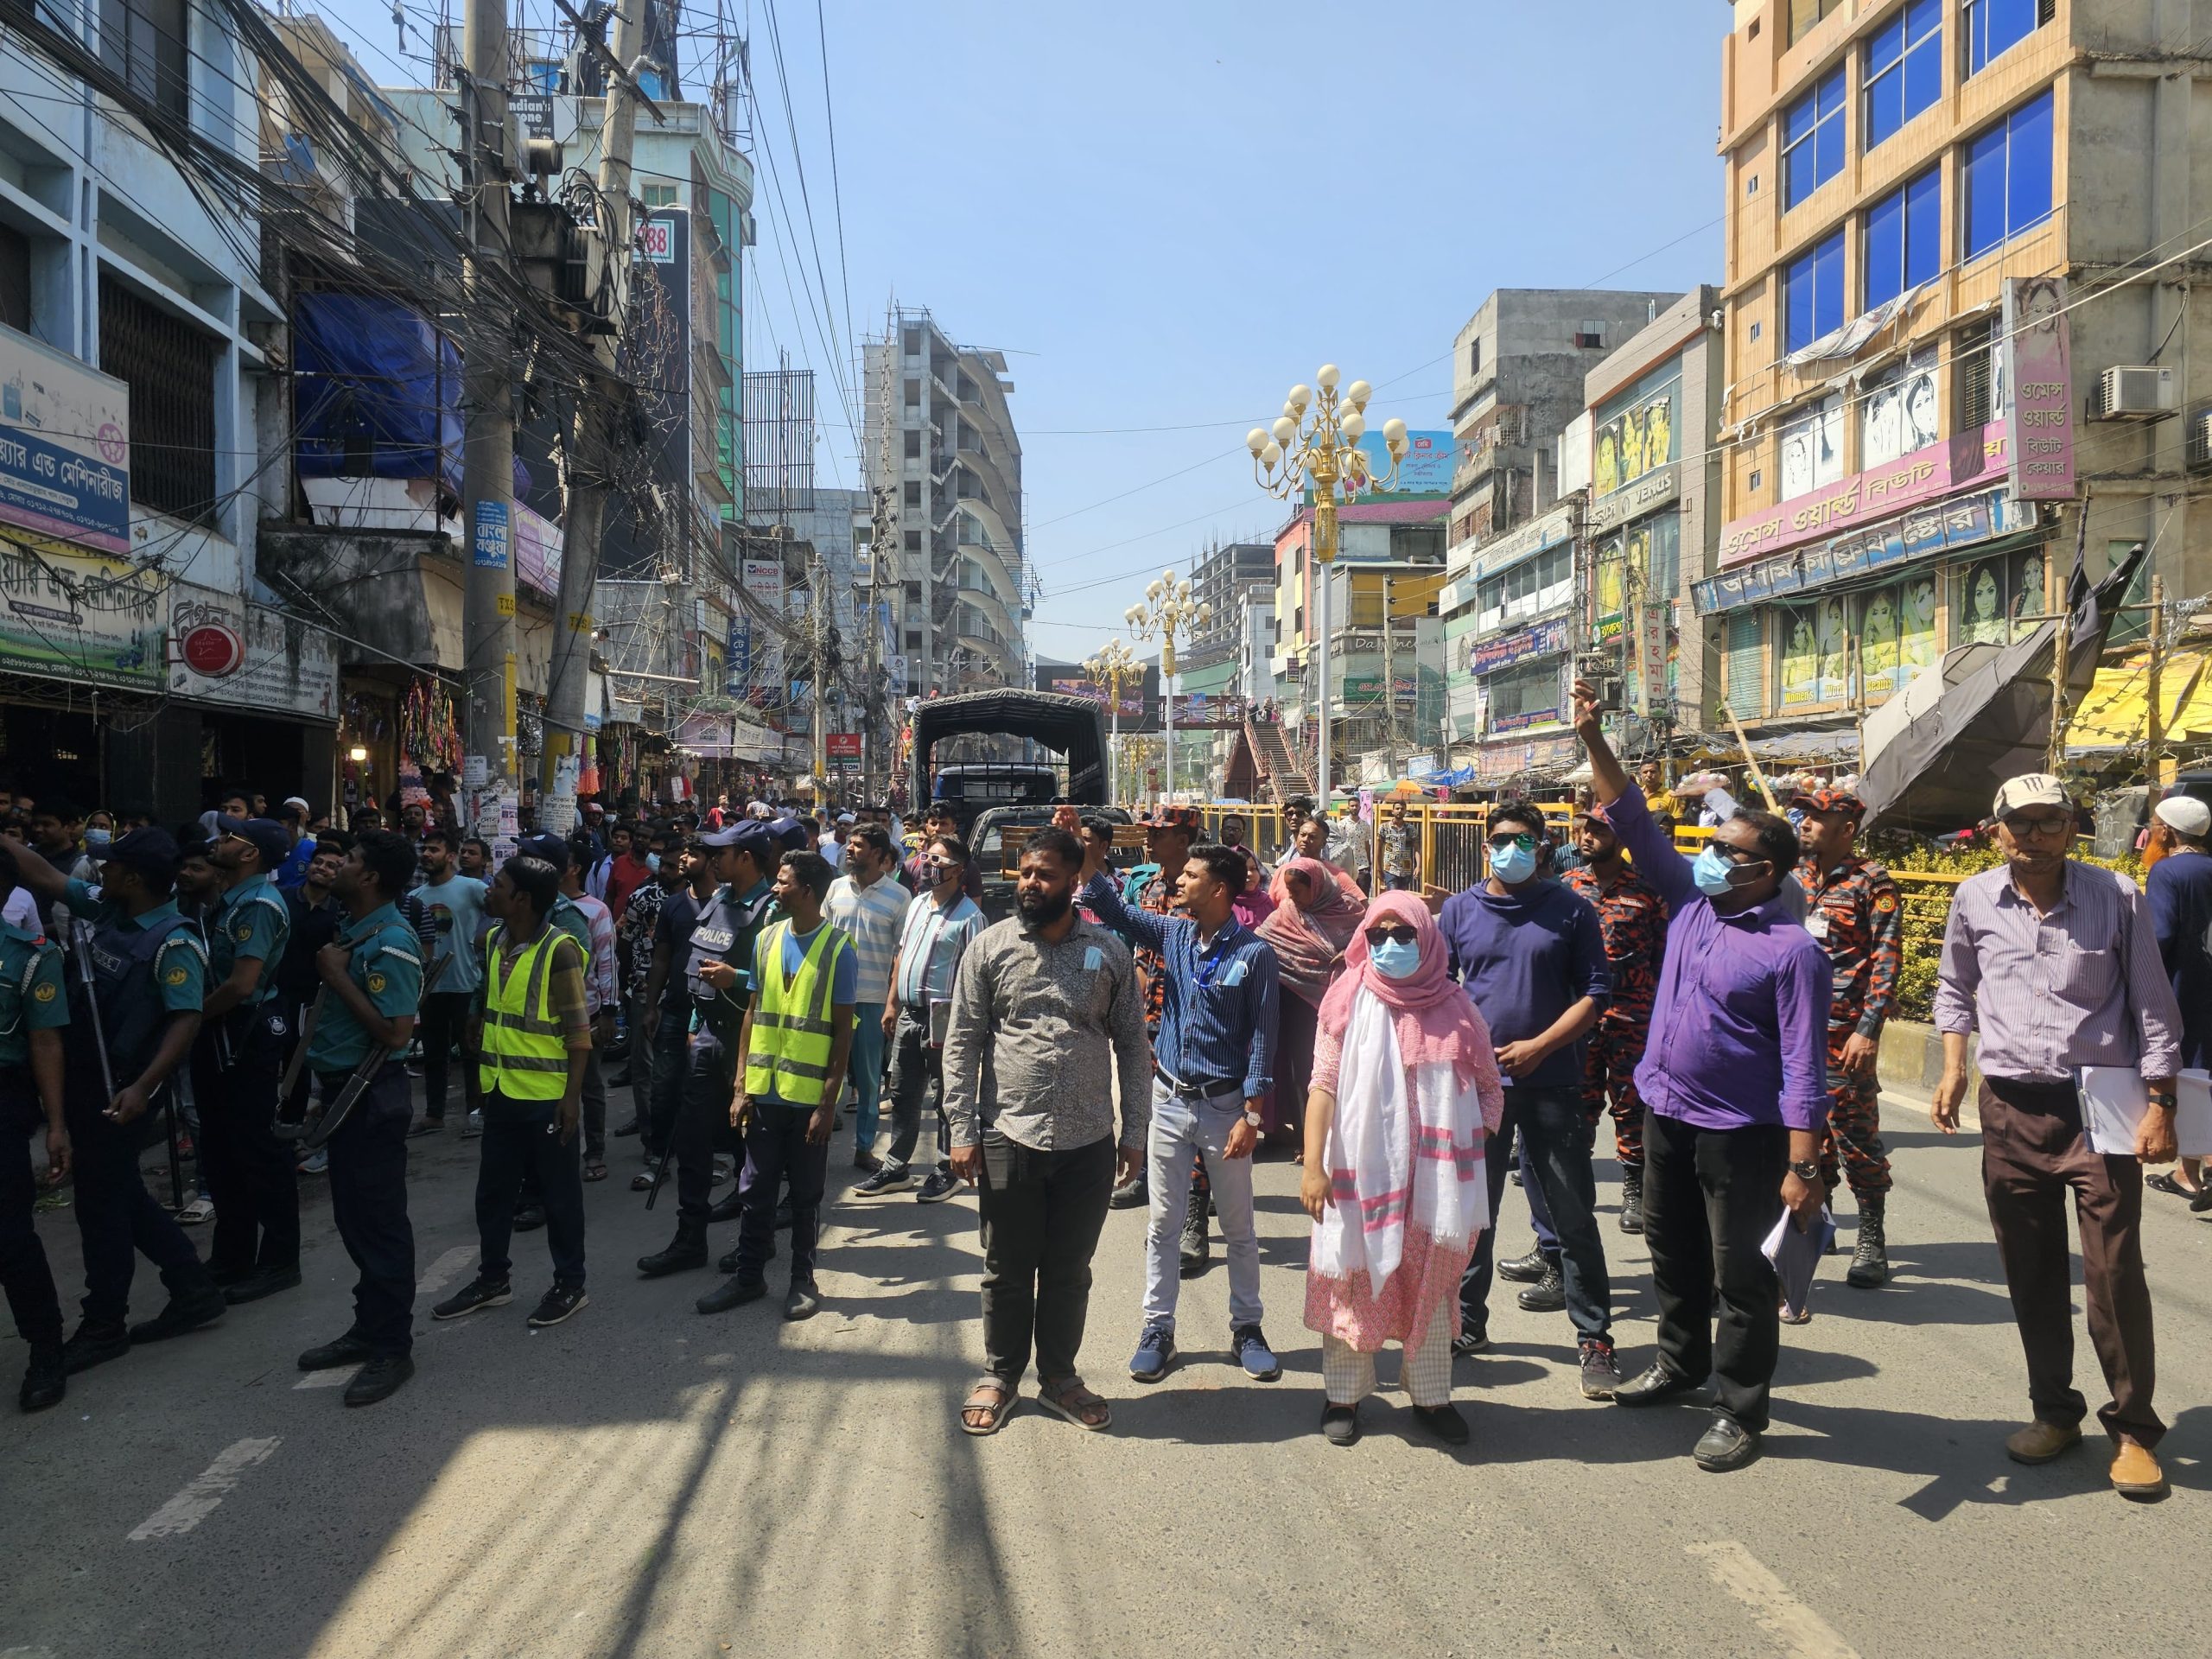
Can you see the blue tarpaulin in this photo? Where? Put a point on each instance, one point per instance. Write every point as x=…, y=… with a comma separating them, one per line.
x=378, y=392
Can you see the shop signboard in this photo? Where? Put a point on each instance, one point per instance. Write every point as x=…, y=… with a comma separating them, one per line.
x=1863, y=499
x=65, y=448
x=1368, y=688
x=844, y=746
x=1653, y=491
x=81, y=616
x=1524, y=543
x=1946, y=526
x=2040, y=421
x=1486, y=656
x=226, y=650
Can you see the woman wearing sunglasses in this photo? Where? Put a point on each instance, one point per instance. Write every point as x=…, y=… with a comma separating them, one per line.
x=1405, y=1090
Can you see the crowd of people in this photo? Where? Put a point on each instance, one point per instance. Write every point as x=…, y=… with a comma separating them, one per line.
x=1123, y=1038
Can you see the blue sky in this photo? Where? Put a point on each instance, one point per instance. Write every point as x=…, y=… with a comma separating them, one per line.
x=1167, y=215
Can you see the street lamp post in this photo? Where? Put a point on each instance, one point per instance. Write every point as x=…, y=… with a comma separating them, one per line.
x=1314, y=444
x=1113, y=666
x=1169, y=611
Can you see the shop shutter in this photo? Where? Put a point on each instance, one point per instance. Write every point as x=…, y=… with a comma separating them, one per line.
x=1744, y=664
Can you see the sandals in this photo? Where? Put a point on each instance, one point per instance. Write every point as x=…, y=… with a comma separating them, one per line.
x=202, y=1208
x=641, y=1183
x=1068, y=1398
x=595, y=1170
x=2163, y=1182
x=993, y=1414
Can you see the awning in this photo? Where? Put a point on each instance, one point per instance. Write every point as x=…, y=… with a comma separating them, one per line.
x=2116, y=714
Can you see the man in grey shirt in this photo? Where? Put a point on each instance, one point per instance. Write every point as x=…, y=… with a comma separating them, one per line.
x=1039, y=999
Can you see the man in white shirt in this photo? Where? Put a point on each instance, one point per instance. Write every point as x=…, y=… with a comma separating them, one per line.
x=868, y=908
x=1715, y=804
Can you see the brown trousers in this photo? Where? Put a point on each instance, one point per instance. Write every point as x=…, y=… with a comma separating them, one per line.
x=2032, y=1151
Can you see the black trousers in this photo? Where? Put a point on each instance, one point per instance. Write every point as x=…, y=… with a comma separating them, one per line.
x=118, y=1218
x=1041, y=1216
x=516, y=1139
x=368, y=1202
x=671, y=1060
x=445, y=1022
x=248, y=1173
x=1710, y=1198
x=1555, y=1136
x=702, y=1124
x=24, y=1273
x=776, y=1147
x=916, y=1072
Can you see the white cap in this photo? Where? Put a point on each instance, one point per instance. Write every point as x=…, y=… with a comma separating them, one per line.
x=294, y=800
x=2030, y=789
x=2185, y=814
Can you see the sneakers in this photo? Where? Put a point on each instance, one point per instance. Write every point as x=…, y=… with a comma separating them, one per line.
x=1600, y=1374
x=1547, y=1294
x=1631, y=1216
x=1869, y=1261
x=1132, y=1194
x=478, y=1294
x=472, y=1126
x=1155, y=1354
x=1191, y=1251
x=802, y=1301
x=1249, y=1349
x=942, y=1184
x=1471, y=1342
x=892, y=1178
x=380, y=1379
x=316, y=1162
x=1523, y=1269
x=45, y=1380
x=187, y=1310
x=556, y=1305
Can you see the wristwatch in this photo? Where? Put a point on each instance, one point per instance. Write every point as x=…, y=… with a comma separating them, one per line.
x=1254, y=1118
x=1805, y=1169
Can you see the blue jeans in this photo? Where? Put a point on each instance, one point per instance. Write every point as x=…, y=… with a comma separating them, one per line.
x=867, y=1071
x=1182, y=1125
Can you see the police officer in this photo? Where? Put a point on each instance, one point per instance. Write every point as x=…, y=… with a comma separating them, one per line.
x=236, y=1066
x=148, y=971
x=718, y=973
x=34, y=1010
x=371, y=982
x=1851, y=909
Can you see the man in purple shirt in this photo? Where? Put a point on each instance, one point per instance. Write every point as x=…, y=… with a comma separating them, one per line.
x=1734, y=1085
x=2055, y=963
x=1532, y=955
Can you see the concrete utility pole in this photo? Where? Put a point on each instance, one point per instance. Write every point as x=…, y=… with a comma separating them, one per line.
x=878, y=742
x=488, y=429
x=818, y=582
x=1389, y=687
x=589, y=453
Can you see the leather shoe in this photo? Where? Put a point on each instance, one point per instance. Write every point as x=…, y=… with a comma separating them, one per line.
x=1725, y=1445
x=46, y=1379
x=349, y=1349
x=96, y=1341
x=187, y=1310
x=1443, y=1421
x=529, y=1218
x=1547, y=1294
x=728, y=1209
x=1650, y=1386
x=803, y=1301
x=1523, y=1269
x=379, y=1379
x=733, y=1291
x=2039, y=1442
x=2136, y=1474
x=1340, y=1424
x=262, y=1282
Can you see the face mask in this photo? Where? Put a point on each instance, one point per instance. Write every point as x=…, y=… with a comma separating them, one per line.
x=652, y=862
x=1513, y=865
x=1395, y=958
x=98, y=841
x=1712, y=873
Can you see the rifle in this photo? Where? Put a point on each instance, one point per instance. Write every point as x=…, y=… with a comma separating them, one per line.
x=314, y=1131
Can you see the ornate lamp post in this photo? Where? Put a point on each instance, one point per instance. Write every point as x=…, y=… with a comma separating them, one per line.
x=1314, y=444
x=1114, y=666
x=1168, y=611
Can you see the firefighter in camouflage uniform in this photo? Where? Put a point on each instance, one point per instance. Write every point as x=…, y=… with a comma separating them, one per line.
x=1851, y=907
x=1633, y=917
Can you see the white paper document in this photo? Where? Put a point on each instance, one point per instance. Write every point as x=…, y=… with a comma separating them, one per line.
x=2193, y=1112
x=2113, y=1101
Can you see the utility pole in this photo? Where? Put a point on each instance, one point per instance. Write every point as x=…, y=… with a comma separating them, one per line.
x=489, y=432
x=1389, y=687
x=882, y=536
x=2154, y=764
x=587, y=461
x=818, y=582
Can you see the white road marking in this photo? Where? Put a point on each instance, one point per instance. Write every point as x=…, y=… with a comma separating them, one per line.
x=200, y=1496
x=443, y=1271
x=1800, y=1632
x=336, y=1376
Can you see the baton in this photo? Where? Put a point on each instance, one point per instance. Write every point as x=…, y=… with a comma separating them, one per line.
x=80, y=948
x=293, y=1067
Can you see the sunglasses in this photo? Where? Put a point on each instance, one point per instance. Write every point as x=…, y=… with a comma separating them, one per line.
x=2049, y=829
x=1524, y=841
x=1400, y=934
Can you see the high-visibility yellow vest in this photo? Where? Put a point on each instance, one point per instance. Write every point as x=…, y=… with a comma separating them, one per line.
x=792, y=1017
x=526, y=1055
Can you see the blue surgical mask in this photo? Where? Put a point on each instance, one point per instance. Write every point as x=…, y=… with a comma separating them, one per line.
x=1513, y=865
x=652, y=862
x=1711, y=872
x=1395, y=958
x=96, y=840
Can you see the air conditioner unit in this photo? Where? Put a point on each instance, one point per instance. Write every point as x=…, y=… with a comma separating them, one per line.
x=2139, y=393
x=2200, y=441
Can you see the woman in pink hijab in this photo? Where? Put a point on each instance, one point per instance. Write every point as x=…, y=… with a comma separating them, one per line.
x=1405, y=1090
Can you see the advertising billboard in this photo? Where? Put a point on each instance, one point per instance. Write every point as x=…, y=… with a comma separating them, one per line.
x=64, y=447
x=1427, y=468
x=82, y=617
x=2041, y=422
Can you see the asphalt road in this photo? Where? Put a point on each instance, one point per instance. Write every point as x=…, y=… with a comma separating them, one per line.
x=643, y=1480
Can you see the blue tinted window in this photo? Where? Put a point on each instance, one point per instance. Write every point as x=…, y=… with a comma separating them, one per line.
x=1994, y=27
x=1905, y=68
x=1812, y=140
x=2006, y=178
x=1813, y=293
x=1904, y=238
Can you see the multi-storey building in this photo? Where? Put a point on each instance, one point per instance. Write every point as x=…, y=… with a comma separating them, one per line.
x=940, y=436
x=1909, y=183
x=1220, y=578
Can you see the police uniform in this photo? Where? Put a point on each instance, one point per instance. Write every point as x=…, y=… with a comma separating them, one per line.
x=237, y=1062
x=32, y=999
x=147, y=970
x=729, y=923
x=368, y=1152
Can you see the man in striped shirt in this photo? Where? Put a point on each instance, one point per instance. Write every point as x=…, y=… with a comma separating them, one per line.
x=869, y=908
x=941, y=924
